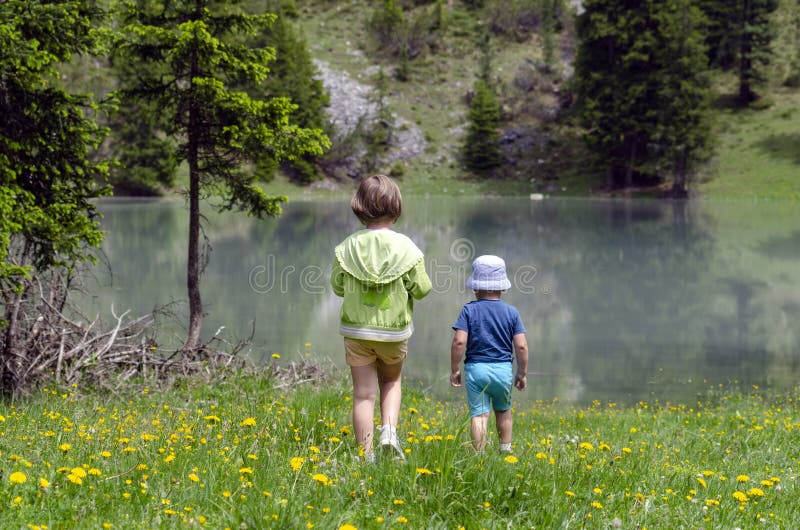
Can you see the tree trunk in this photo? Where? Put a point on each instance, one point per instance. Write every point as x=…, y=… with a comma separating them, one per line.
x=679, y=190
x=193, y=261
x=746, y=94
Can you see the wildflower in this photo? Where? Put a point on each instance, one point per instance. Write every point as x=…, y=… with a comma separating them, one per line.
x=423, y=471
x=193, y=477
x=276, y=355
x=18, y=477
x=226, y=494
x=597, y=505
x=511, y=459
x=246, y=471
x=65, y=447
x=702, y=482
x=598, y=491
x=2, y=419
x=348, y=526
x=767, y=483
x=78, y=472
x=740, y=496
x=334, y=439
x=297, y=462
x=44, y=483
x=541, y=456
x=398, y=502
x=742, y=478
x=212, y=419
x=17, y=500
x=248, y=422
x=401, y=520
x=169, y=458
x=322, y=478
x=755, y=492
x=569, y=493
x=75, y=479
x=586, y=446
x=105, y=454
x=314, y=449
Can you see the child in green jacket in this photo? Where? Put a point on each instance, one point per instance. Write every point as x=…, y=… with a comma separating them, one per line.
x=379, y=272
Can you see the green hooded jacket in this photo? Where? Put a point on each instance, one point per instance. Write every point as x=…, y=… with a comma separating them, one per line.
x=379, y=273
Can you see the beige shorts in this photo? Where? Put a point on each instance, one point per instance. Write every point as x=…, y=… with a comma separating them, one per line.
x=360, y=352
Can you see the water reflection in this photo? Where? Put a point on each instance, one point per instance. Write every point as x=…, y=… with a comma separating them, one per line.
x=623, y=300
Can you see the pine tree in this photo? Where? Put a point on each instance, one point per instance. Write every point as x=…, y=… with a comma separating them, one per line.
x=47, y=177
x=187, y=54
x=481, y=150
x=740, y=34
x=642, y=88
x=293, y=75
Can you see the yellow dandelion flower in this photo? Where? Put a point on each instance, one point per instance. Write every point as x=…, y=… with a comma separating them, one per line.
x=423, y=471
x=44, y=483
x=597, y=505
x=569, y=493
x=226, y=494
x=2, y=419
x=322, y=478
x=75, y=479
x=379, y=519
x=604, y=447
x=65, y=447
x=314, y=449
x=108, y=525
x=248, y=422
x=105, y=454
x=740, y=496
x=627, y=450
x=708, y=473
x=169, y=458
x=334, y=439
x=712, y=502
x=348, y=526
x=17, y=500
x=511, y=459
x=401, y=520
x=586, y=446
x=296, y=463
x=755, y=492
x=742, y=478
x=702, y=482
x=94, y=472
x=398, y=502
x=276, y=355
x=18, y=477
x=212, y=419
x=78, y=472
x=246, y=471
x=202, y=519
x=193, y=477
x=541, y=456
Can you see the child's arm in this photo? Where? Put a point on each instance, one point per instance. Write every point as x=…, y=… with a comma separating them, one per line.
x=521, y=349
x=337, y=278
x=456, y=352
x=417, y=282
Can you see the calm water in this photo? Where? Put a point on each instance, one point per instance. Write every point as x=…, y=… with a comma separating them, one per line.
x=622, y=300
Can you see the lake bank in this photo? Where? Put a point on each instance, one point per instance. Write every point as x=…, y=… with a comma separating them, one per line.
x=245, y=452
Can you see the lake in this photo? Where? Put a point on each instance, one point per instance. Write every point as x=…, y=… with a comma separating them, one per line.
x=623, y=300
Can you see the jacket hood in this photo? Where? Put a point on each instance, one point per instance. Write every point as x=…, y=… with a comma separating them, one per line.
x=377, y=256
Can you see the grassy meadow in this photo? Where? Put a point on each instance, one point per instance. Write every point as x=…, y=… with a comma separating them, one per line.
x=252, y=452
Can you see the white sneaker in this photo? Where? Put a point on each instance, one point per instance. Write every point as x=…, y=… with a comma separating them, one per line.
x=389, y=442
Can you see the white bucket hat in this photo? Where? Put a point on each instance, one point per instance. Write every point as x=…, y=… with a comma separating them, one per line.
x=488, y=274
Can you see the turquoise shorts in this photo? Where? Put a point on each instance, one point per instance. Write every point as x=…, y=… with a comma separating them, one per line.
x=488, y=387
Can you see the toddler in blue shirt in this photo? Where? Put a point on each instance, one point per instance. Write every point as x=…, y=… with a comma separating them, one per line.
x=489, y=330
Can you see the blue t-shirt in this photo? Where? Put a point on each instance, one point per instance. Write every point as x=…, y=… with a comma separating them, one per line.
x=491, y=326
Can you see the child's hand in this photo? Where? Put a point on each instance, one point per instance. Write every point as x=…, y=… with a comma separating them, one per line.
x=455, y=378
x=520, y=381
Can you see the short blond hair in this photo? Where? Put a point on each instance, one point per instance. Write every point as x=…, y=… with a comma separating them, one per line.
x=377, y=198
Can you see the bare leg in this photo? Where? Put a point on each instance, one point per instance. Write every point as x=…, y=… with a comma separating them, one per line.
x=364, y=393
x=504, y=425
x=477, y=428
x=390, y=383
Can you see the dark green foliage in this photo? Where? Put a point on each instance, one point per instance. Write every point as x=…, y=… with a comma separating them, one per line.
x=520, y=18
x=739, y=35
x=146, y=159
x=46, y=136
x=378, y=137
x=481, y=150
x=642, y=88
x=293, y=75
x=187, y=55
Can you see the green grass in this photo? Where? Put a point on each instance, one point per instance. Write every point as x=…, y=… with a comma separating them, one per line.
x=758, y=151
x=221, y=456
